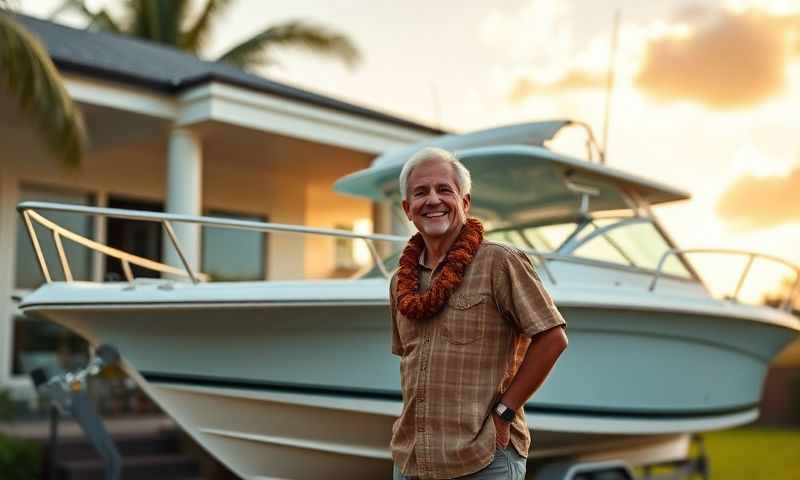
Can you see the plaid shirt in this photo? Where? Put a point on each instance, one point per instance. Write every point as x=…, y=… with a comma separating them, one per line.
x=457, y=364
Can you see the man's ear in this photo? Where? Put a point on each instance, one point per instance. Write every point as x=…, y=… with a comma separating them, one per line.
x=467, y=199
x=407, y=209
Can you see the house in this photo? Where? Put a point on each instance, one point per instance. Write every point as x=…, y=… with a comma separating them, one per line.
x=171, y=132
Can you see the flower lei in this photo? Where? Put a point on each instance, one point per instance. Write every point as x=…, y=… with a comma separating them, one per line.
x=419, y=306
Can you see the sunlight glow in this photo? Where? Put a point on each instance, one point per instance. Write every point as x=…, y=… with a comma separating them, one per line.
x=361, y=253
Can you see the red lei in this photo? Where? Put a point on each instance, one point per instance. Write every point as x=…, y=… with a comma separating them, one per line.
x=419, y=306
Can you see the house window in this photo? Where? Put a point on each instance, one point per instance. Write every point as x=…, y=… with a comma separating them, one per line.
x=37, y=343
x=350, y=254
x=137, y=237
x=232, y=254
x=343, y=250
x=28, y=275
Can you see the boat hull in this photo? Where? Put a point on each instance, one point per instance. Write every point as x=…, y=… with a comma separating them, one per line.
x=299, y=389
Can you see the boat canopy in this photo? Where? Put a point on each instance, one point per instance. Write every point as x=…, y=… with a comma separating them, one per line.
x=518, y=182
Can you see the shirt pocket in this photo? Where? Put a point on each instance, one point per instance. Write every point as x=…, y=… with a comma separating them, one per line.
x=464, y=321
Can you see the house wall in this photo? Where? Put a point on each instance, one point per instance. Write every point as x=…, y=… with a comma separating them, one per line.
x=283, y=180
x=328, y=209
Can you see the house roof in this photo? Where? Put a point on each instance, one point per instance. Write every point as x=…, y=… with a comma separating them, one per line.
x=150, y=65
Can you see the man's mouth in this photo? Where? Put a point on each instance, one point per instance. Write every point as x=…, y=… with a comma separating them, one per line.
x=434, y=214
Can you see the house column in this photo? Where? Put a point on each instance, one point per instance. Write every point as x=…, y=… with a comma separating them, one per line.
x=184, y=195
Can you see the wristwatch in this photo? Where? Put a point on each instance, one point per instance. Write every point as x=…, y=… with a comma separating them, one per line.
x=504, y=412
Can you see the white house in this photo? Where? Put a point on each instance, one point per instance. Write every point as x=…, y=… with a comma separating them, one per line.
x=171, y=132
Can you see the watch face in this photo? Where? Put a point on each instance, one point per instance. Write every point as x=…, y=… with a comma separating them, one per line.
x=508, y=415
x=504, y=412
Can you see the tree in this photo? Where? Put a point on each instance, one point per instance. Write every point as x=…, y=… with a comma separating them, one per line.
x=168, y=22
x=783, y=293
x=28, y=74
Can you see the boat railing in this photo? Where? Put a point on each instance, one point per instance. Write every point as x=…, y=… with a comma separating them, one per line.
x=786, y=304
x=30, y=215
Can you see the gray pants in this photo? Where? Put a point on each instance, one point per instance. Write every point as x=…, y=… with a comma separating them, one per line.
x=507, y=465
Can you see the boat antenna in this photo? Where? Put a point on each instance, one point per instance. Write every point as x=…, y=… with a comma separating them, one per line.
x=609, y=85
x=437, y=107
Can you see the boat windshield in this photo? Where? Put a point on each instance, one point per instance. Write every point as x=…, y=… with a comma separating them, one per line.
x=626, y=240
x=619, y=239
x=542, y=238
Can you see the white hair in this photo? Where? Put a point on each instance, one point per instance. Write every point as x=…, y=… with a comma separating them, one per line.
x=463, y=177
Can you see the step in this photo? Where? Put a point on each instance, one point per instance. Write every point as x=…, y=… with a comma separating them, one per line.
x=142, y=467
x=128, y=444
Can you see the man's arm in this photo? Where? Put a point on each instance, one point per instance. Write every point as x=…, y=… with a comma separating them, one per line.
x=543, y=351
x=522, y=298
x=541, y=356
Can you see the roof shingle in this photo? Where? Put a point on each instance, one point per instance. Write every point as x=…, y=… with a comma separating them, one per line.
x=139, y=62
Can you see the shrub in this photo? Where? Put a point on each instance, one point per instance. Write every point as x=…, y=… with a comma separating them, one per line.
x=19, y=459
x=7, y=407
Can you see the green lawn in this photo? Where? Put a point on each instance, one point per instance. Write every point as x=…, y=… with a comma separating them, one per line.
x=754, y=454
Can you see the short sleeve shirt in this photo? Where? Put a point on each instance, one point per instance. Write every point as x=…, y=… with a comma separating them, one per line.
x=456, y=365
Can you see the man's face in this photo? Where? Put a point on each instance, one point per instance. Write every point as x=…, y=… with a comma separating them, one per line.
x=433, y=201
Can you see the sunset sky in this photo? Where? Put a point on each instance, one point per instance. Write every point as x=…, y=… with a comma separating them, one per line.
x=707, y=92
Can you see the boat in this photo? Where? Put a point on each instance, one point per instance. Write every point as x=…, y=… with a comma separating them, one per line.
x=294, y=379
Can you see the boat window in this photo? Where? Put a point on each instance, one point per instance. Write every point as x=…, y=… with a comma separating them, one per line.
x=510, y=237
x=549, y=238
x=544, y=238
x=637, y=244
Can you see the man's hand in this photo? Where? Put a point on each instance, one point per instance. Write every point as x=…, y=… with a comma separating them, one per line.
x=503, y=430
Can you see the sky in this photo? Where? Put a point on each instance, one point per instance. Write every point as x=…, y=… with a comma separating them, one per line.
x=706, y=92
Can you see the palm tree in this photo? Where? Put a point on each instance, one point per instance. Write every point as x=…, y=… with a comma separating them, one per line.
x=167, y=22
x=28, y=74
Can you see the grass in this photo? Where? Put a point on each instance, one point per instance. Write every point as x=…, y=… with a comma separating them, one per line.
x=754, y=454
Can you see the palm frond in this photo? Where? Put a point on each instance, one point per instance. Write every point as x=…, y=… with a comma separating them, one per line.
x=71, y=5
x=28, y=73
x=157, y=20
x=318, y=39
x=100, y=21
x=196, y=36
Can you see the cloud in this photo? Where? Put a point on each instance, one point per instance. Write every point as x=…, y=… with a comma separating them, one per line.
x=720, y=59
x=753, y=203
x=575, y=80
x=539, y=32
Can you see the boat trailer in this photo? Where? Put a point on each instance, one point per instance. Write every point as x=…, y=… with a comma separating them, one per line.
x=696, y=466
x=66, y=394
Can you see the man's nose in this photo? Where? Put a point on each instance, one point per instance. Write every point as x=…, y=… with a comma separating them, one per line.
x=433, y=198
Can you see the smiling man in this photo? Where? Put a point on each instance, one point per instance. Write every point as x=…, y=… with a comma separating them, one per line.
x=475, y=331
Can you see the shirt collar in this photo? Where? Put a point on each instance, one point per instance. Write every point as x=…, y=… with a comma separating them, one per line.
x=421, y=262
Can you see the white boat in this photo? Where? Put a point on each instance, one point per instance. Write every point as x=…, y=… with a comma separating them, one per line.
x=295, y=379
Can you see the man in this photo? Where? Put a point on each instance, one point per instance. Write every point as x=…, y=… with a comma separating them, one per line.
x=474, y=328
